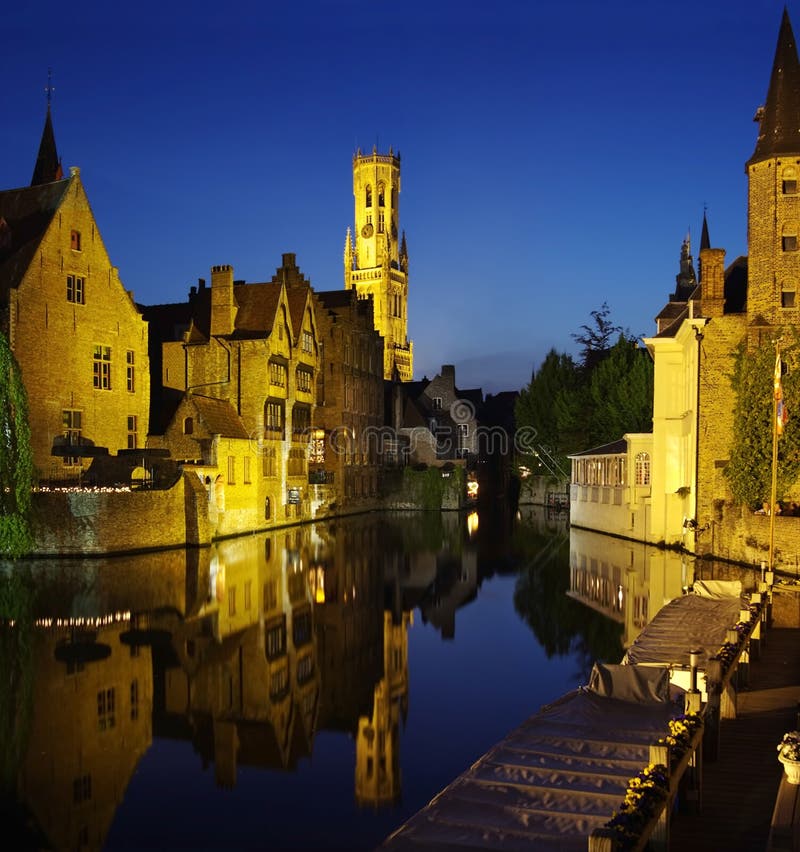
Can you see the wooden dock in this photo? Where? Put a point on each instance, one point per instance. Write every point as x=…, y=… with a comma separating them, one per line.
x=740, y=787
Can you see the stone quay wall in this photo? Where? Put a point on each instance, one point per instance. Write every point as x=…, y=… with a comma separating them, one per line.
x=71, y=523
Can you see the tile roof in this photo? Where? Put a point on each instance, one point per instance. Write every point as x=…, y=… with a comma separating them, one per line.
x=258, y=304
x=219, y=417
x=27, y=213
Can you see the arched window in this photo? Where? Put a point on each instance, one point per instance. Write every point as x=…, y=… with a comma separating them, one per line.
x=188, y=425
x=267, y=515
x=381, y=195
x=642, y=469
x=368, y=196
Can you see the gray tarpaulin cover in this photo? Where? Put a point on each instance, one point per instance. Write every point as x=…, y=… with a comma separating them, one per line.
x=559, y=775
x=698, y=620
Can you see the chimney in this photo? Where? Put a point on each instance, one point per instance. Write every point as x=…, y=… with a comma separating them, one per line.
x=712, y=262
x=223, y=305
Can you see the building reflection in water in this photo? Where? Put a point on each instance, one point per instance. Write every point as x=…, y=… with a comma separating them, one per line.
x=246, y=650
x=627, y=581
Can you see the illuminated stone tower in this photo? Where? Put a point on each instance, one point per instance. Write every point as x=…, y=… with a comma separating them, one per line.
x=377, y=264
x=774, y=199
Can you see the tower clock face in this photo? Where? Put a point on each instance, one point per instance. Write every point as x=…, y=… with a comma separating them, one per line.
x=366, y=231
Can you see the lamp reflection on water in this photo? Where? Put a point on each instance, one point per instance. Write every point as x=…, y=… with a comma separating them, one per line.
x=472, y=524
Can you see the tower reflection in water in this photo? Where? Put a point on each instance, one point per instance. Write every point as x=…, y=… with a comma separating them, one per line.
x=246, y=650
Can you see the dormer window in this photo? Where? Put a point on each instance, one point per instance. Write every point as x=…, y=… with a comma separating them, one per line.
x=75, y=240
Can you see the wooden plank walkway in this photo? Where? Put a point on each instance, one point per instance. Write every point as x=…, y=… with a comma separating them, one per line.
x=740, y=787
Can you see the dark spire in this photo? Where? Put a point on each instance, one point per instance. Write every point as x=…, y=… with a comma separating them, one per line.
x=705, y=242
x=48, y=165
x=779, y=118
x=685, y=280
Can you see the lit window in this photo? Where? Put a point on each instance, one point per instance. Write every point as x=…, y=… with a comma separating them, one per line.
x=101, y=367
x=75, y=240
x=71, y=421
x=76, y=289
x=308, y=341
x=134, y=699
x=642, y=469
x=277, y=374
x=304, y=381
x=437, y=403
x=130, y=370
x=106, y=709
x=132, y=442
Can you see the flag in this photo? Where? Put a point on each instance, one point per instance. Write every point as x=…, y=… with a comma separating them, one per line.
x=781, y=415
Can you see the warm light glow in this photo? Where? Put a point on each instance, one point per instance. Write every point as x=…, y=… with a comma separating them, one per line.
x=472, y=488
x=472, y=523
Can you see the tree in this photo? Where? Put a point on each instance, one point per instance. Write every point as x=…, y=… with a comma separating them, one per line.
x=16, y=461
x=621, y=393
x=749, y=470
x=595, y=337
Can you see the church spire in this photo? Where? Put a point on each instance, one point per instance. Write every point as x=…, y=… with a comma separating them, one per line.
x=705, y=241
x=48, y=165
x=779, y=118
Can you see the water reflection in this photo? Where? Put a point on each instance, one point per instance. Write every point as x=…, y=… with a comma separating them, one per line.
x=626, y=581
x=247, y=650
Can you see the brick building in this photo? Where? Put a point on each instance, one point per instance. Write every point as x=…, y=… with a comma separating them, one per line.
x=255, y=347
x=77, y=334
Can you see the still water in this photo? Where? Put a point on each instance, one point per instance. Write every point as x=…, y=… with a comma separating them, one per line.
x=309, y=688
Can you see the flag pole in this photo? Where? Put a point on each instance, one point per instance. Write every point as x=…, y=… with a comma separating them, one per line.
x=774, y=490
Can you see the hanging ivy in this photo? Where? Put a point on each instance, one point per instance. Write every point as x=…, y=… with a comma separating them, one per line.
x=16, y=460
x=750, y=468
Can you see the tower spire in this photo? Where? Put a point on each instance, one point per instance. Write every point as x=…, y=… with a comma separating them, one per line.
x=48, y=164
x=779, y=118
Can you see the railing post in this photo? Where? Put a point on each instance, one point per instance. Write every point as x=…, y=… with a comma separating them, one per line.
x=712, y=718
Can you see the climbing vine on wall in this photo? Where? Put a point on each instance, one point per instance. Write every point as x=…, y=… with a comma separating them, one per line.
x=750, y=467
x=16, y=460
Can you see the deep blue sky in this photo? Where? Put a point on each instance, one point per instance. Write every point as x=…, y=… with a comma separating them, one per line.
x=553, y=154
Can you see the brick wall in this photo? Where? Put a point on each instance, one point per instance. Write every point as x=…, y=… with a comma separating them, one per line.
x=86, y=522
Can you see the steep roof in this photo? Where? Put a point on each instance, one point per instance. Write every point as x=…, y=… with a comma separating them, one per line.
x=258, y=304
x=219, y=417
x=27, y=213
x=48, y=165
x=779, y=126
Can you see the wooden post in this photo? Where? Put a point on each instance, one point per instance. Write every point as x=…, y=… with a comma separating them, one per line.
x=755, y=636
x=659, y=838
x=713, y=693
x=602, y=840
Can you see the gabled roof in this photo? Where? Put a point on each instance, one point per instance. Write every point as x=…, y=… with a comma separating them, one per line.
x=27, y=213
x=258, y=304
x=219, y=417
x=298, y=298
x=779, y=125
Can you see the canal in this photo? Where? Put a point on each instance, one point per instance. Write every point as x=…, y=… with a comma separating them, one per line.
x=309, y=688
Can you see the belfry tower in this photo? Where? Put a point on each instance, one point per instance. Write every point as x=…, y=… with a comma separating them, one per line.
x=377, y=263
x=773, y=217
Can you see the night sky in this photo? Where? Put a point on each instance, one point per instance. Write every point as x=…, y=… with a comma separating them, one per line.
x=554, y=154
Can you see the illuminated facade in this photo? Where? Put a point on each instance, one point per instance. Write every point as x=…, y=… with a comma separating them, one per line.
x=377, y=264
x=79, y=338
x=256, y=348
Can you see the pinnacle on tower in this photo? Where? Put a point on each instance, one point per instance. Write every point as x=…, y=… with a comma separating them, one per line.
x=48, y=165
x=779, y=118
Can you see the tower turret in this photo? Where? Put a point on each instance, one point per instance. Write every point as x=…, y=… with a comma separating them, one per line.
x=773, y=200
x=377, y=265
